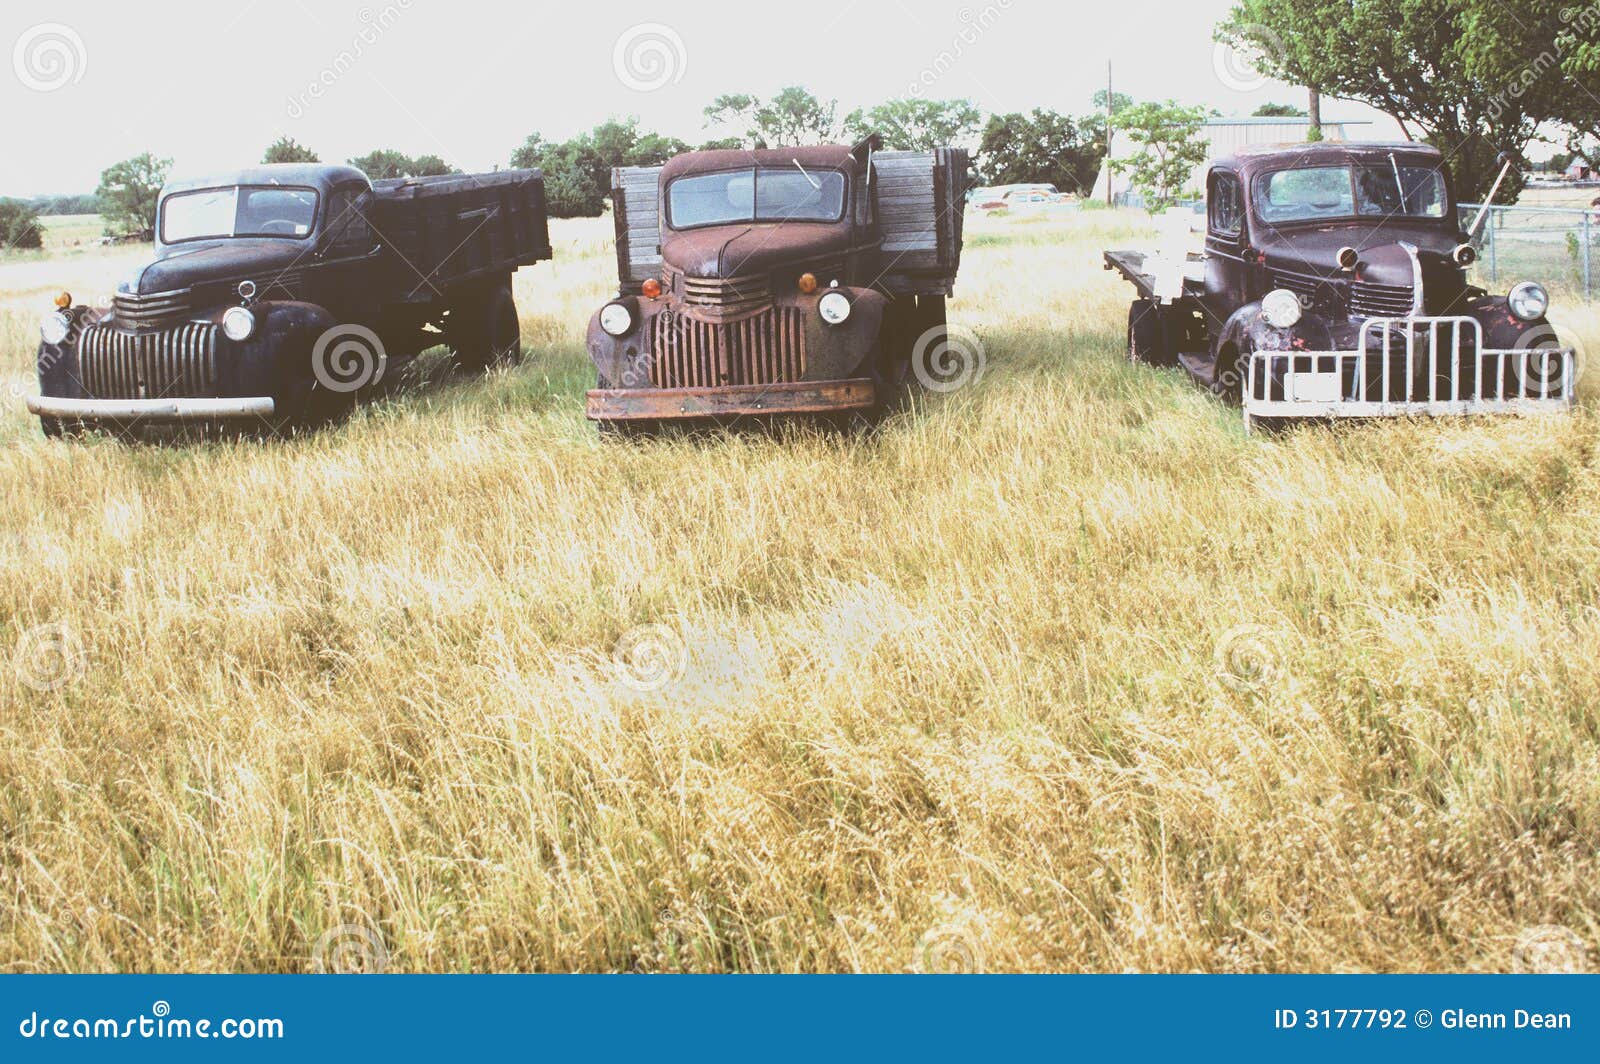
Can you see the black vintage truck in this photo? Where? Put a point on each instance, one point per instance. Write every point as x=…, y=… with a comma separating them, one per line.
x=776, y=281
x=1333, y=283
x=278, y=293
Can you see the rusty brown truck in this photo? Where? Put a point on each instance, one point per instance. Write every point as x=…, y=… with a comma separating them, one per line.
x=776, y=281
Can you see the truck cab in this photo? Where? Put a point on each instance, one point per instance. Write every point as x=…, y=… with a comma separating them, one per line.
x=277, y=294
x=774, y=281
x=1334, y=282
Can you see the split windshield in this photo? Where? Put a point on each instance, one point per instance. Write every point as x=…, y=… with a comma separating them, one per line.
x=764, y=195
x=1316, y=192
x=218, y=213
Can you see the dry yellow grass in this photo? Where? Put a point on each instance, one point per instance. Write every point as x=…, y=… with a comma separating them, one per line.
x=1062, y=672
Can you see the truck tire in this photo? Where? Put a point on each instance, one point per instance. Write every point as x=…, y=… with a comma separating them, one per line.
x=1147, y=339
x=485, y=331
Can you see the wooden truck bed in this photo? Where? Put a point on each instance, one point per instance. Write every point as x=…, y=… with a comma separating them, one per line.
x=461, y=228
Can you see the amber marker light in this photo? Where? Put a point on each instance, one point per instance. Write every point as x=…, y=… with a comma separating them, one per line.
x=64, y=300
x=651, y=289
x=807, y=283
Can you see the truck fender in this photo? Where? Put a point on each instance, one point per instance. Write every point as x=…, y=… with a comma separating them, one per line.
x=279, y=359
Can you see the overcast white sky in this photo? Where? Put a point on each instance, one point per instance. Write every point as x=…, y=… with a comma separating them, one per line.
x=211, y=84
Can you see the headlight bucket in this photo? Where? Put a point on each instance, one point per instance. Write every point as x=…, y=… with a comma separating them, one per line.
x=1281, y=308
x=238, y=324
x=834, y=308
x=55, y=327
x=1529, y=301
x=616, y=319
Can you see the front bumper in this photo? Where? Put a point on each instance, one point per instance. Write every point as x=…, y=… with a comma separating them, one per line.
x=1410, y=367
x=674, y=404
x=150, y=409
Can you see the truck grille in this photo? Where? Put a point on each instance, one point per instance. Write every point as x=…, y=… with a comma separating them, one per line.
x=1369, y=300
x=768, y=348
x=733, y=294
x=1298, y=283
x=156, y=311
x=177, y=363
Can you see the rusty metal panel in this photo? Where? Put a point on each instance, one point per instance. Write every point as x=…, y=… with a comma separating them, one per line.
x=765, y=348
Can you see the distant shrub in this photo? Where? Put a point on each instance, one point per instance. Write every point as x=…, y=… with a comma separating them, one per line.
x=19, y=225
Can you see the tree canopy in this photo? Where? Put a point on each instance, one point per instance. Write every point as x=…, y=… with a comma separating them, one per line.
x=130, y=192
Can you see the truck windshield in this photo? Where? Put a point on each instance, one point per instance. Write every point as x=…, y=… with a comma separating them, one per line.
x=1316, y=192
x=767, y=195
x=246, y=210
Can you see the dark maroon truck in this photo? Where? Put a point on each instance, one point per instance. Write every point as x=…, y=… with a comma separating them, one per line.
x=775, y=282
x=1334, y=284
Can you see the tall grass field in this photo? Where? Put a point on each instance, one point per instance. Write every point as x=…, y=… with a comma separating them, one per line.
x=1058, y=671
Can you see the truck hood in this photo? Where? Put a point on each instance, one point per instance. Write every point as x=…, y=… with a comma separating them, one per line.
x=1384, y=259
x=722, y=252
x=188, y=265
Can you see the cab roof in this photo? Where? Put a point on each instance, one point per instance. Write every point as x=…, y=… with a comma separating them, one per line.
x=1257, y=157
x=812, y=157
x=320, y=176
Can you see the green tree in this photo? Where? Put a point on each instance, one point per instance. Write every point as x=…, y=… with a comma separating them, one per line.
x=915, y=124
x=1043, y=147
x=429, y=166
x=19, y=225
x=1403, y=57
x=1168, y=145
x=793, y=117
x=1278, y=110
x=289, y=150
x=129, y=193
x=1545, y=54
x=577, y=172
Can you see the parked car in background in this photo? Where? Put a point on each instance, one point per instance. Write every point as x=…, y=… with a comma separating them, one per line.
x=1333, y=283
x=278, y=293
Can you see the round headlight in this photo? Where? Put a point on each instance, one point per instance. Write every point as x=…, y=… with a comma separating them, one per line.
x=1529, y=301
x=834, y=308
x=238, y=324
x=616, y=319
x=54, y=328
x=1282, y=309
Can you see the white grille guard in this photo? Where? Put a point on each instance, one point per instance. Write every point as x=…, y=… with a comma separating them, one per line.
x=1343, y=383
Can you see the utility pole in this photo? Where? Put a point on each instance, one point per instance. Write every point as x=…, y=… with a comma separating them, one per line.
x=1111, y=109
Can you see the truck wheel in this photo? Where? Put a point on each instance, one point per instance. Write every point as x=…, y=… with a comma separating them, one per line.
x=52, y=427
x=488, y=332
x=1147, y=341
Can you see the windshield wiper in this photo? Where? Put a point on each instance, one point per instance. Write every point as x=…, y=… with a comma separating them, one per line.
x=1399, y=186
x=816, y=186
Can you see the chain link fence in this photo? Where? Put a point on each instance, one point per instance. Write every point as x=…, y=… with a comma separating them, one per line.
x=1557, y=246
